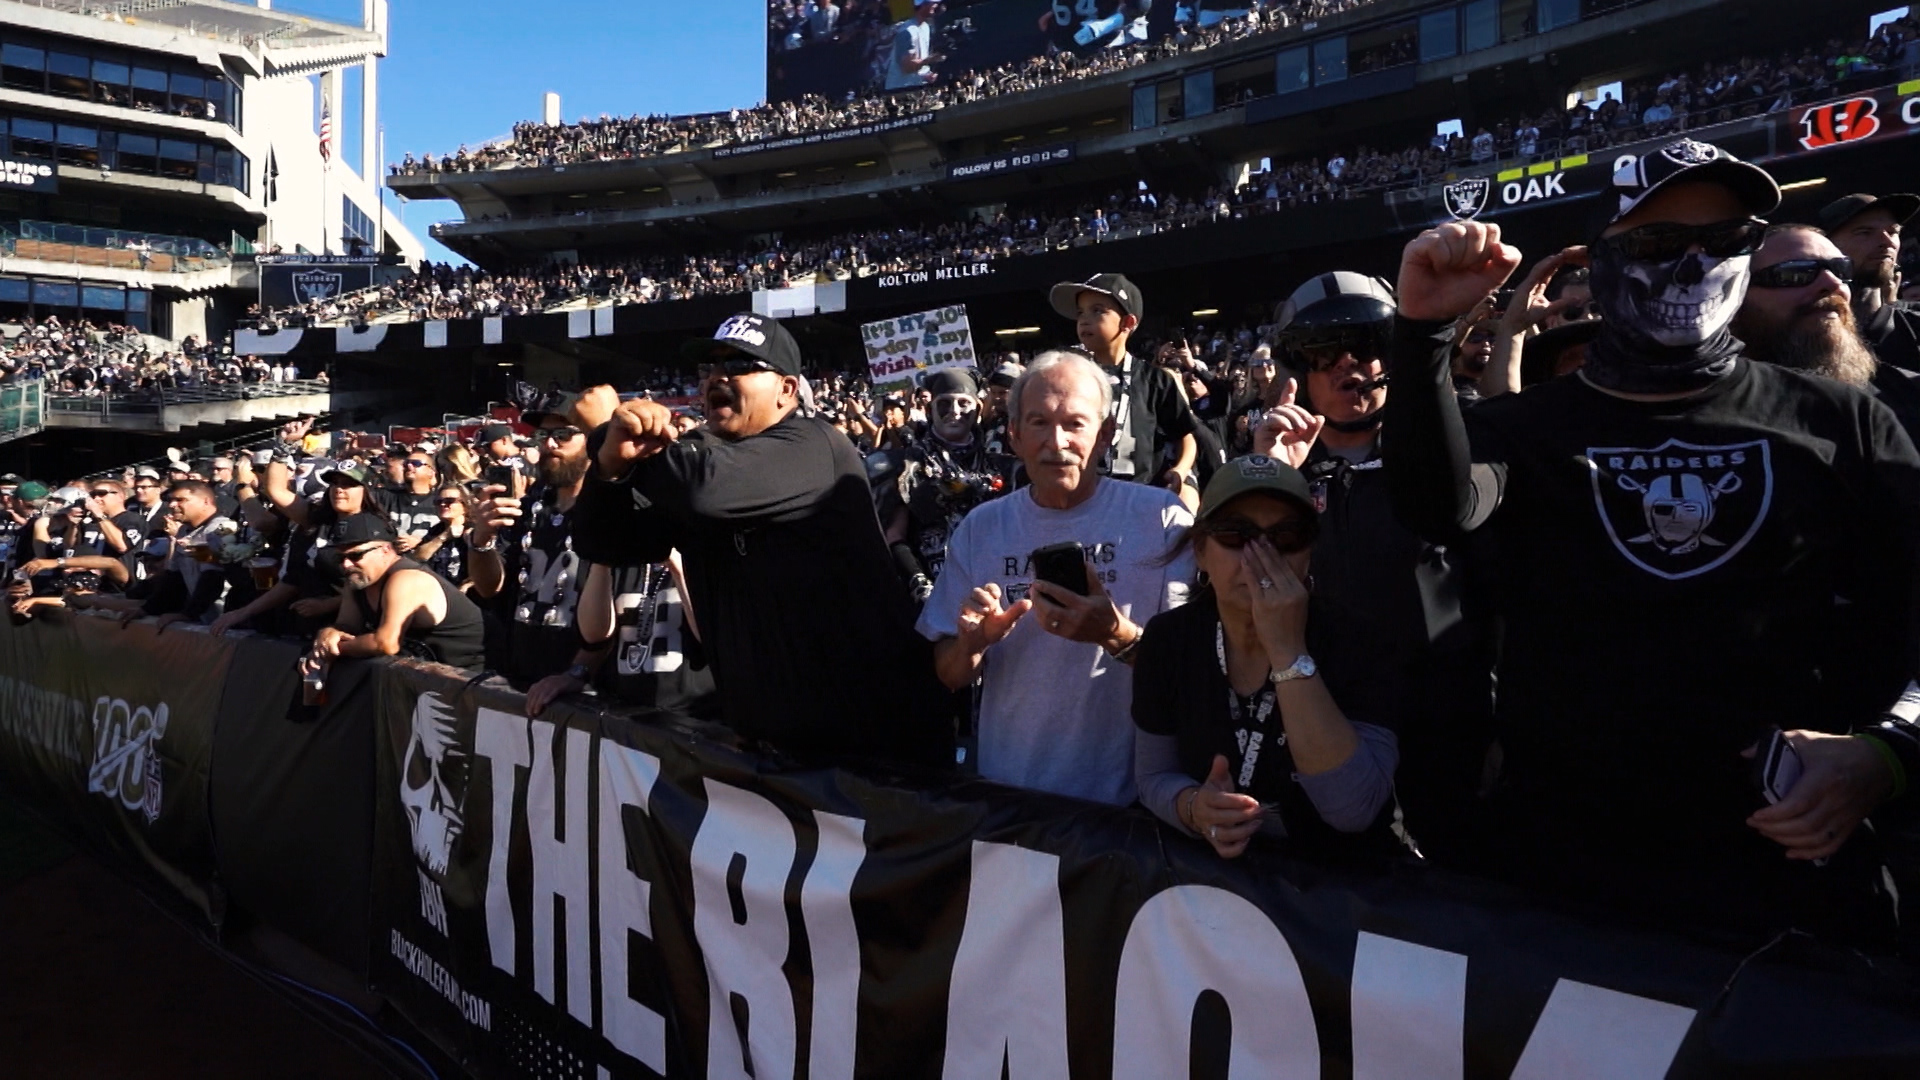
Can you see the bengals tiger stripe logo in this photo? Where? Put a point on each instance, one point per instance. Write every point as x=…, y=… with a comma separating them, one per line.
x=1839, y=122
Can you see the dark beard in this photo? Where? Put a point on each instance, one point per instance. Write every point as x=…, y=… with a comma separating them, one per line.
x=1831, y=350
x=558, y=472
x=1877, y=275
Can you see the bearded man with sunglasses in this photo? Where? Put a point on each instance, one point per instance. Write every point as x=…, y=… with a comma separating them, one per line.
x=807, y=625
x=1682, y=532
x=1799, y=314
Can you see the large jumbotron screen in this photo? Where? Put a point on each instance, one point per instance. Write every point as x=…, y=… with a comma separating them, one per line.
x=837, y=47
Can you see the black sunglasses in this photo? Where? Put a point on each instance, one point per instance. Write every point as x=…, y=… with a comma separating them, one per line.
x=1795, y=273
x=419, y=464
x=446, y=502
x=734, y=367
x=1667, y=243
x=1287, y=537
x=108, y=493
x=559, y=434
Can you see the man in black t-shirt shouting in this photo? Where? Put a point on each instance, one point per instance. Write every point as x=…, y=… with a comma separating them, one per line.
x=772, y=514
x=1684, y=533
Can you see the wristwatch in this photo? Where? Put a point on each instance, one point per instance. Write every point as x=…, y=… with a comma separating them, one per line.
x=1302, y=668
x=492, y=544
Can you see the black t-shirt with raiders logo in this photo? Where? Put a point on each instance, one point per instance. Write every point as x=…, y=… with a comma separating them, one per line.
x=1677, y=578
x=546, y=576
x=658, y=662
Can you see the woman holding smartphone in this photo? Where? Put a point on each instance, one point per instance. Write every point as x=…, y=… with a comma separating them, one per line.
x=1256, y=715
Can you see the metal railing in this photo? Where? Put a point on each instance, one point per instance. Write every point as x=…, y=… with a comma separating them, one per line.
x=23, y=408
x=120, y=249
x=151, y=402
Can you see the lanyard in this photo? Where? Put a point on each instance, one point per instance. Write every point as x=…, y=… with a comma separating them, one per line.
x=1249, y=740
x=1122, y=450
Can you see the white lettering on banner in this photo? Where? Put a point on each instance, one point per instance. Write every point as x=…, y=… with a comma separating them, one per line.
x=1591, y=1033
x=501, y=738
x=428, y=970
x=1194, y=938
x=1513, y=193
x=45, y=719
x=746, y=949
x=126, y=763
x=744, y=960
x=1007, y=991
x=1910, y=110
x=433, y=903
x=833, y=941
x=626, y=779
x=1007, y=997
x=560, y=866
x=1409, y=1011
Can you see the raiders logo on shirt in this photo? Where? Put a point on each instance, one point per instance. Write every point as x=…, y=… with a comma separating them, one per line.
x=1679, y=510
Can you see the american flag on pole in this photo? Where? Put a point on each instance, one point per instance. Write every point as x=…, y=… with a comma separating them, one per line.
x=326, y=132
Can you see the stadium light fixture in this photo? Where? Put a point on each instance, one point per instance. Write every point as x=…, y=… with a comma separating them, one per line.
x=1014, y=138
x=1017, y=331
x=1798, y=185
x=865, y=164
x=784, y=175
x=1206, y=313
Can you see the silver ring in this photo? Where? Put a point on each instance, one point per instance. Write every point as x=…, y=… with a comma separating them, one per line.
x=1213, y=832
x=1055, y=624
x=1266, y=584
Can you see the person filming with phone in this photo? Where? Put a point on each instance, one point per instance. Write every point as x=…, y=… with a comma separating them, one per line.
x=1045, y=590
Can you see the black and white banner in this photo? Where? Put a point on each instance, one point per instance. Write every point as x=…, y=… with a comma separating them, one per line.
x=584, y=895
x=1032, y=157
x=296, y=284
x=875, y=128
x=111, y=730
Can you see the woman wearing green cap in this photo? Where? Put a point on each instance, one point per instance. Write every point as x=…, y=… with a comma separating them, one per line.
x=1256, y=716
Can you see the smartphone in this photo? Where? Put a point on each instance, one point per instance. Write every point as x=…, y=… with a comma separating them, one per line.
x=1777, y=766
x=1064, y=565
x=501, y=476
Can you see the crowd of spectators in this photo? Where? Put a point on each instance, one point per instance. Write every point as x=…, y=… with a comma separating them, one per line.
x=613, y=138
x=1715, y=92
x=82, y=358
x=1230, y=618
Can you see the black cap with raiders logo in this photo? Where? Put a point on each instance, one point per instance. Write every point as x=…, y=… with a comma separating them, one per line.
x=1254, y=473
x=1065, y=297
x=1687, y=161
x=362, y=528
x=1847, y=207
x=753, y=335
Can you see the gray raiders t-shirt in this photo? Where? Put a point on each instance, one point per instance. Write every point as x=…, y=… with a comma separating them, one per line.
x=1056, y=715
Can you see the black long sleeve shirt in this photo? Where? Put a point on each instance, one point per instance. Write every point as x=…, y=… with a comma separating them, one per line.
x=809, y=629
x=1676, y=578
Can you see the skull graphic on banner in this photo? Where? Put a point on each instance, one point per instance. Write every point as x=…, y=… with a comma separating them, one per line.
x=434, y=770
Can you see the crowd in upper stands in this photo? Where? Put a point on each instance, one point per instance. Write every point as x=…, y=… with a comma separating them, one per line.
x=613, y=138
x=1715, y=92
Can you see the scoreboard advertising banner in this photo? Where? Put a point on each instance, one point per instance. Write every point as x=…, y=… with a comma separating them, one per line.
x=859, y=47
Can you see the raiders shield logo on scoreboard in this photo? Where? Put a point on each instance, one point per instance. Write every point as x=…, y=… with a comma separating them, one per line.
x=1466, y=198
x=312, y=285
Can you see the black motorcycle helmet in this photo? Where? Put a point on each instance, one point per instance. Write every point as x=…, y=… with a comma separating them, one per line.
x=1336, y=310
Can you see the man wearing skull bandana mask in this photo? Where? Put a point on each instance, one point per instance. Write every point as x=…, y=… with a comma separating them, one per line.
x=941, y=478
x=1682, y=530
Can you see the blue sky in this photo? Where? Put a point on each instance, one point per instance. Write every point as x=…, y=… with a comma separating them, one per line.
x=466, y=70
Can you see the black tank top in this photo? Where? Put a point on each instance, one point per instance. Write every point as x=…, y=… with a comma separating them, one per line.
x=458, y=641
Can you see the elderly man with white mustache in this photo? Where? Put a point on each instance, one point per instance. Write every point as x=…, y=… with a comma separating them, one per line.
x=1052, y=648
